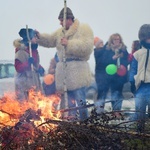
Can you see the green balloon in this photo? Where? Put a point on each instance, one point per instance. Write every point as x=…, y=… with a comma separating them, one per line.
x=111, y=69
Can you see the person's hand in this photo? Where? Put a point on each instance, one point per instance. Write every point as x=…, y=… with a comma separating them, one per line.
x=37, y=33
x=30, y=60
x=132, y=87
x=41, y=71
x=116, y=56
x=64, y=41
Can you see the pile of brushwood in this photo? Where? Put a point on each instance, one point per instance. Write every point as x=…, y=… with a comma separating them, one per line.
x=98, y=132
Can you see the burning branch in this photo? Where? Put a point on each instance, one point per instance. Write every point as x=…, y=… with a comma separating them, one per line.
x=34, y=125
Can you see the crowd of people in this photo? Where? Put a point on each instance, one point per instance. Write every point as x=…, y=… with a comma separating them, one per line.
x=74, y=42
x=135, y=71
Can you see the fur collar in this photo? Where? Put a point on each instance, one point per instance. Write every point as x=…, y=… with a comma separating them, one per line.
x=18, y=44
x=114, y=48
x=73, y=29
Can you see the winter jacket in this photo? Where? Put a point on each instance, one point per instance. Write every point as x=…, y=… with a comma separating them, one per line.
x=103, y=58
x=80, y=46
x=138, y=73
x=98, y=54
x=25, y=79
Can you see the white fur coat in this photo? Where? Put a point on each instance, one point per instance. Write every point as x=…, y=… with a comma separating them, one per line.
x=80, y=46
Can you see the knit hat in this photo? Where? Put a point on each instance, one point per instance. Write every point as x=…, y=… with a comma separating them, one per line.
x=23, y=34
x=144, y=32
x=97, y=42
x=69, y=13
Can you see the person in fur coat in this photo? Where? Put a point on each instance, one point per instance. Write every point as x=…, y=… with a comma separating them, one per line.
x=78, y=44
x=114, y=52
x=25, y=79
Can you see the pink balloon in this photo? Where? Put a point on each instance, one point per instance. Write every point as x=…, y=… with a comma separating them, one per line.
x=121, y=70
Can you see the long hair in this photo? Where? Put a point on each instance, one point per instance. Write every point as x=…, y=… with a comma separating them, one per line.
x=112, y=37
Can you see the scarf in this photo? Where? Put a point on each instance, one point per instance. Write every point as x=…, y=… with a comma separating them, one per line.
x=146, y=45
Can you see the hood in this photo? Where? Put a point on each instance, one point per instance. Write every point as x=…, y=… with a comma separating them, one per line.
x=18, y=44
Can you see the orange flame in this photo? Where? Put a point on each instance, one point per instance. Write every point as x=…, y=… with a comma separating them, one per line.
x=11, y=110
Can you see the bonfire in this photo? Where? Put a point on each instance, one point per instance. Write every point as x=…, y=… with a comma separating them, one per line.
x=36, y=124
x=21, y=121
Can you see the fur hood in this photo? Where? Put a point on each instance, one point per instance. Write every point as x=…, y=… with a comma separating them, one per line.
x=19, y=45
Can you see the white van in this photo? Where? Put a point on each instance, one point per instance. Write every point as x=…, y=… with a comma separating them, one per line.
x=7, y=72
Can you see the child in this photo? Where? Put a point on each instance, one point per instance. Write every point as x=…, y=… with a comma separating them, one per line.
x=139, y=76
x=26, y=77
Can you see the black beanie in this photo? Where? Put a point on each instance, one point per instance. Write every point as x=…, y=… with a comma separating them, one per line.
x=23, y=34
x=144, y=32
x=69, y=13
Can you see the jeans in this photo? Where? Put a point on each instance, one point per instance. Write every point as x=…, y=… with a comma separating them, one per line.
x=142, y=99
x=115, y=84
x=117, y=99
x=78, y=97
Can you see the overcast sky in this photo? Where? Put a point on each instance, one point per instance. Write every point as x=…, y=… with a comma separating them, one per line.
x=104, y=16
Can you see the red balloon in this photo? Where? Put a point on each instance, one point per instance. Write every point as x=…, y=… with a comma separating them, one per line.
x=121, y=70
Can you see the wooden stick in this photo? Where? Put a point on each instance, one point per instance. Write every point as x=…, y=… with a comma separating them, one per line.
x=64, y=101
x=29, y=40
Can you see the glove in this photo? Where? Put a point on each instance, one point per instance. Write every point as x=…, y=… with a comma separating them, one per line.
x=132, y=87
x=30, y=60
x=41, y=71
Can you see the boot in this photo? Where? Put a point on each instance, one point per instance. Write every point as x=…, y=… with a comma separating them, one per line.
x=99, y=106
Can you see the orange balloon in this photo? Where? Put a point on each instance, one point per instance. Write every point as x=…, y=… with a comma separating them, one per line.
x=48, y=79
